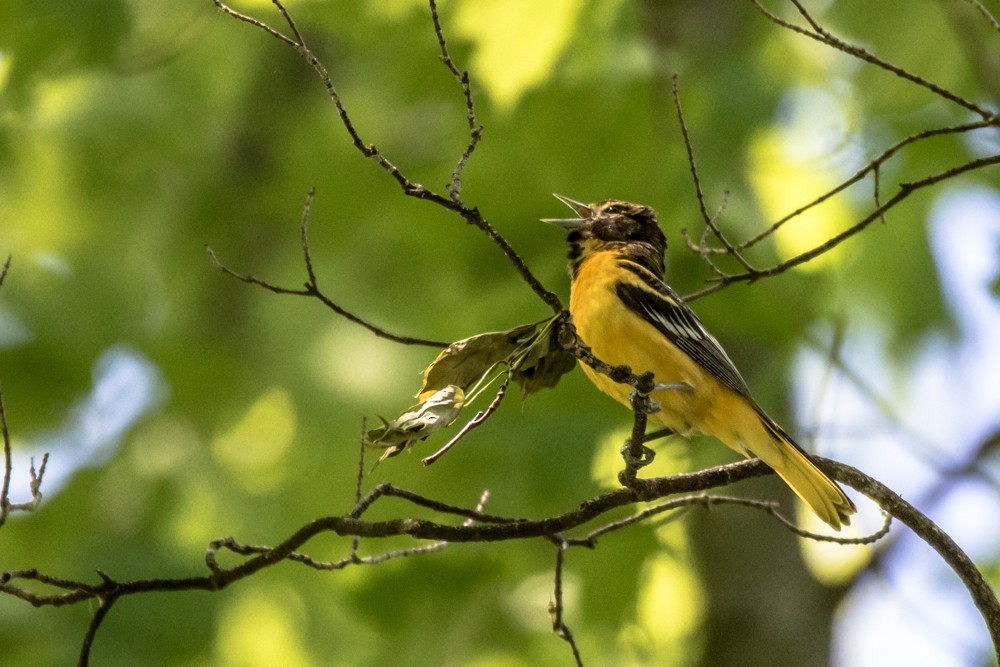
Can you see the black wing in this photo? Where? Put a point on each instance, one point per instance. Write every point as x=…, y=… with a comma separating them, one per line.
x=657, y=303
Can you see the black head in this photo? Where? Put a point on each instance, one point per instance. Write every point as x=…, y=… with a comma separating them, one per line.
x=613, y=225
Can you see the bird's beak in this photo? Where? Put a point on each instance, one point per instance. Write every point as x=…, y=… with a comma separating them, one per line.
x=582, y=210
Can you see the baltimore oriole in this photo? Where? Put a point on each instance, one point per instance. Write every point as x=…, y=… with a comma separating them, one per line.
x=628, y=315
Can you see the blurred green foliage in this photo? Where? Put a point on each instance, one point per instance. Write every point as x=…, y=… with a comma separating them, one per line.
x=132, y=134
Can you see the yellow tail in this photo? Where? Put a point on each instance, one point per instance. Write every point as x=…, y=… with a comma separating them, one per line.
x=760, y=436
x=821, y=493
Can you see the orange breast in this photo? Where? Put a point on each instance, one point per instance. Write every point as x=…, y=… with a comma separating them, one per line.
x=617, y=335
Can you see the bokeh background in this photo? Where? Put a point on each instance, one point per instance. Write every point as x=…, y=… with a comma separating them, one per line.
x=180, y=405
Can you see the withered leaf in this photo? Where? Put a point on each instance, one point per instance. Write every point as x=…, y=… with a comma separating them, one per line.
x=465, y=362
x=435, y=412
x=531, y=355
x=544, y=362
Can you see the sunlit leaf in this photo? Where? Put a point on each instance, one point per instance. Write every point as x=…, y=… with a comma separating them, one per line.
x=419, y=421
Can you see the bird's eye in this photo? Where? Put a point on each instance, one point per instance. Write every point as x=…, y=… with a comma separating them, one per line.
x=614, y=209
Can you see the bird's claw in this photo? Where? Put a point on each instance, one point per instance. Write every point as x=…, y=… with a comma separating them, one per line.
x=682, y=386
x=642, y=403
x=634, y=462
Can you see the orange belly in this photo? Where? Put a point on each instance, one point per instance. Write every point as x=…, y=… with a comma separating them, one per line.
x=618, y=336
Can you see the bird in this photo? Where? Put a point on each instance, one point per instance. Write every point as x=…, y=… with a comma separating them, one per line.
x=627, y=314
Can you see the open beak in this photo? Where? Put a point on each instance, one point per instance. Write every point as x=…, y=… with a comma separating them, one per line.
x=582, y=210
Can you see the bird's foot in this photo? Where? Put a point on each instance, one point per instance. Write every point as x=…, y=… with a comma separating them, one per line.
x=635, y=462
x=642, y=403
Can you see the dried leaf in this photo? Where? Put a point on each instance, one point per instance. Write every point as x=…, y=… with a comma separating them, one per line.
x=465, y=362
x=531, y=353
x=544, y=361
x=419, y=421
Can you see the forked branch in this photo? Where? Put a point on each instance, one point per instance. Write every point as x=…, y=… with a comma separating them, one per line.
x=311, y=288
x=816, y=31
x=480, y=527
x=453, y=201
x=36, y=476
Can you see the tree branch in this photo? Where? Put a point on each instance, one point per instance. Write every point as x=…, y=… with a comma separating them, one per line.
x=480, y=527
x=992, y=20
x=905, y=190
x=821, y=34
x=311, y=288
x=817, y=32
x=873, y=167
x=35, y=485
x=453, y=202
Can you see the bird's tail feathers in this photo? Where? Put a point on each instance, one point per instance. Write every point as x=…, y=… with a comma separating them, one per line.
x=809, y=483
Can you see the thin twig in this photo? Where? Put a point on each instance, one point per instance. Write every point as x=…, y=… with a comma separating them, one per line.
x=986, y=13
x=877, y=192
x=475, y=130
x=873, y=166
x=8, y=465
x=355, y=540
x=386, y=489
x=480, y=417
x=103, y=608
x=256, y=23
x=35, y=484
x=706, y=251
x=230, y=544
x=304, y=237
x=410, y=188
x=557, y=608
x=821, y=34
x=710, y=221
x=905, y=190
x=708, y=500
x=312, y=289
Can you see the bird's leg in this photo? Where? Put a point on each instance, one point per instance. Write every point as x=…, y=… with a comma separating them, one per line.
x=633, y=462
x=682, y=386
x=636, y=454
x=642, y=403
